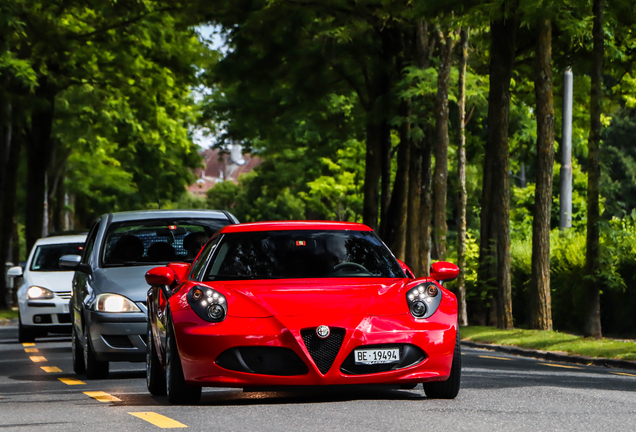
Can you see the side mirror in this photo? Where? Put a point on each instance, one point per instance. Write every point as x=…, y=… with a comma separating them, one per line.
x=70, y=262
x=73, y=262
x=443, y=271
x=406, y=269
x=15, y=271
x=161, y=277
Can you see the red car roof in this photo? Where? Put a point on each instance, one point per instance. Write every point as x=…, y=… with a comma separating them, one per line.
x=295, y=225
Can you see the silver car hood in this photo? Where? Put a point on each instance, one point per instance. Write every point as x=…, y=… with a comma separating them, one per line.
x=126, y=281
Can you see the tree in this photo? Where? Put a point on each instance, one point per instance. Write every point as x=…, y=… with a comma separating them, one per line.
x=592, y=261
x=540, y=285
x=502, y=54
x=462, y=199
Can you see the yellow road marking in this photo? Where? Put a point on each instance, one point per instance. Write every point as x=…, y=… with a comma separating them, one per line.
x=623, y=373
x=102, y=397
x=496, y=358
x=50, y=369
x=31, y=350
x=36, y=359
x=561, y=366
x=71, y=381
x=158, y=420
x=28, y=344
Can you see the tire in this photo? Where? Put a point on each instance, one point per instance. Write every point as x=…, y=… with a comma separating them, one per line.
x=25, y=334
x=179, y=392
x=450, y=388
x=94, y=369
x=77, y=353
x=155, y=377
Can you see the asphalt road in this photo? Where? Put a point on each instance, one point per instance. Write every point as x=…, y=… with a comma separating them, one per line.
x=39, y=391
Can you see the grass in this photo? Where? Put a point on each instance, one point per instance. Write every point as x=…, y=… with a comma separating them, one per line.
x=552, y=341
x=8, y=314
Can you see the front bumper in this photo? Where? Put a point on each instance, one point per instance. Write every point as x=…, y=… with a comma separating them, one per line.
x=46, y=315
x=200, y=345
x=118, y=336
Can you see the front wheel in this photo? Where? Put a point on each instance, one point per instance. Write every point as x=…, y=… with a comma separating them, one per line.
x=179, y=392
x=450, y=388
x=24, y=334
x=94, y=368
x=155, y=379
x=77, y=353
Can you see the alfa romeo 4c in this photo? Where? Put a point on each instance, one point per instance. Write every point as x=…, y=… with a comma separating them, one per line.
x=299, y=304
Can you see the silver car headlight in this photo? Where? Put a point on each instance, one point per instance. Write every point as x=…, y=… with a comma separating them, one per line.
x=39, y=293
x=115, y=303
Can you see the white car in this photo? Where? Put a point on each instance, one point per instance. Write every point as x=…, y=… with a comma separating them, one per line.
x=44, y=296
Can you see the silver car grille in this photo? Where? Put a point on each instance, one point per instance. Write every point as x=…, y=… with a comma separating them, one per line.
x=66, y=295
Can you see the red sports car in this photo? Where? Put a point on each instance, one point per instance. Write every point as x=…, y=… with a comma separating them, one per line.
x=299, y=304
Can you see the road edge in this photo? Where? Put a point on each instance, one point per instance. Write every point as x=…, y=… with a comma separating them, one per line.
x=553, y=356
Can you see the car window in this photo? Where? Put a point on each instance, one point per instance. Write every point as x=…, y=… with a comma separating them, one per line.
x=302, y=254
x=156, y=241
x=199, y=264
x=46, y=257
x=90, y=243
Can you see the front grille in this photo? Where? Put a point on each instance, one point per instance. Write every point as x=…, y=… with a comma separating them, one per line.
x=118, y=341
x=410, y=355
x=66, y=295
x=323, y=351
x=263, y=360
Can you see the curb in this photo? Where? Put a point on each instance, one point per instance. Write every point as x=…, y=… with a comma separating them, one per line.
x=553, y=356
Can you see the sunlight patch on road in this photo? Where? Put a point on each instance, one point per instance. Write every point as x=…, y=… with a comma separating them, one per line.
x=102, y=396
x=624, y=374
x=50, y=369
x=493, y=357
x=71, y=381
x=158, y=420
x=37, y=359
x=560, y=366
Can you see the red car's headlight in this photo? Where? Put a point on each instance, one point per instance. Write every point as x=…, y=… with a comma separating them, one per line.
x=423, y=300
x=209, y=304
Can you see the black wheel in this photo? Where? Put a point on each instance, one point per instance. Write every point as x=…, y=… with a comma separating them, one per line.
x=94, y=369
x=25, y=334
x=179, y=392
x=450, y=388
x=78, y=353
x=155, y=378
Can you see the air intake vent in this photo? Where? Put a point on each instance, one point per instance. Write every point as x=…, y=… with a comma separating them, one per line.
x=263, y=360
x=323, y=351
x=118, y=341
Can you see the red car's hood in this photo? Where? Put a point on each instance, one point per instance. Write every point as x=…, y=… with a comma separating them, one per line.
x=354, y=296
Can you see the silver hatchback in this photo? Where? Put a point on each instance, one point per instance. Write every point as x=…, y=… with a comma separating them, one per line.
x=108, y=304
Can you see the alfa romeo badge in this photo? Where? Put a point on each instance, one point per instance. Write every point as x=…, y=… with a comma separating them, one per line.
x=323, y=332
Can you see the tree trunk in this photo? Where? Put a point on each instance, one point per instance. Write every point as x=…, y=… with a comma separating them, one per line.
x=413, y=247
x=39, y=148
x=462, y=200
x=386, y=58
x=440, y=177
x=426, y=206
x=372, y=174
x=592, y=257
x=398, y=208
x=541, y=313
x=5, y=162
x=502, y=53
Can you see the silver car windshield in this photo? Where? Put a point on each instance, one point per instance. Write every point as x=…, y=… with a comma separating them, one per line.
x=156, y=241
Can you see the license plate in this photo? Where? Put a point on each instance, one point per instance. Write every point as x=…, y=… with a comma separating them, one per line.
x=370, y=356
x=65, y=308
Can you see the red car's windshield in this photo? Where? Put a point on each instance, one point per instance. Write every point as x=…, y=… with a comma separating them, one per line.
x=301, y=254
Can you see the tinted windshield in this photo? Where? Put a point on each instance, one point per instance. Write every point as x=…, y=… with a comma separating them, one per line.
x=302, y=254
x=47, y=257
x=157, y=241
